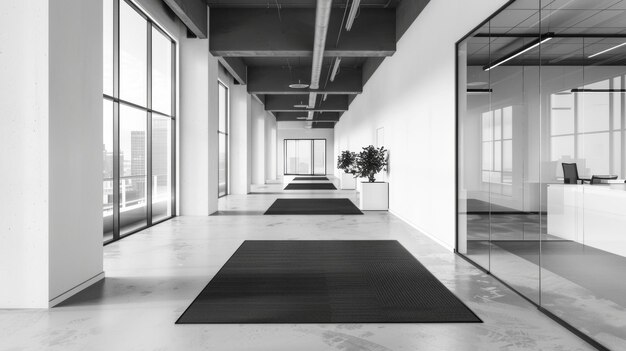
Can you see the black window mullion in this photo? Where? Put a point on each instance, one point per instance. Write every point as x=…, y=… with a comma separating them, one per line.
x=173, y=132
x=149, y=127
x=116, y=120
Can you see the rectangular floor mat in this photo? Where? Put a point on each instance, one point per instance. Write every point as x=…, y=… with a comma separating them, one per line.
x=325, y=281
x=310, y=186
x=310, y=178
x=313, y=207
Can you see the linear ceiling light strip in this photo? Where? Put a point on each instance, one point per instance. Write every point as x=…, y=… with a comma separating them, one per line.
x=352, y=15
x=607, y=50
x=533, y=44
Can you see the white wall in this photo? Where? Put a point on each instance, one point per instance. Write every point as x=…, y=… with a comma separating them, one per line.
x=51, y=139
x=412, y=96
x=296, y=130
x=24, y=146
x=240, y=140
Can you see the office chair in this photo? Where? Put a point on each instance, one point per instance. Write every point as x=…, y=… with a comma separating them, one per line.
x=570, y=174
x=598, y=179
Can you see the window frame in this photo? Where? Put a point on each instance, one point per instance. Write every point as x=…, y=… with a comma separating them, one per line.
x=117, y=102
x=226, y=136
x=312, y=173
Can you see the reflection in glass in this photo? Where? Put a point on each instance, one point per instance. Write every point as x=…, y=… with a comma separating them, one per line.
x=161, y=168
x=133, y=55
x=133, y=169
x=161, y=72
x=107, y=169
x=540, y=86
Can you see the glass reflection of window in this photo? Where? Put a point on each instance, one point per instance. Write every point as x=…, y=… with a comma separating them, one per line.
x=586, y=128
x=497, y=147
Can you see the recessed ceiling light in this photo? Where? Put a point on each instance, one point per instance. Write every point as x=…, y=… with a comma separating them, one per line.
x=300, y=106
x=476, y=84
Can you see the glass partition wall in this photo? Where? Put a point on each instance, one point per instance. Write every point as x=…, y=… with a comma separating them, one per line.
x=541, y=87
x=138, y=121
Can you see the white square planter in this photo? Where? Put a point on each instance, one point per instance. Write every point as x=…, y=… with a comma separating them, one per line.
x=374, y=196
x=348, y=182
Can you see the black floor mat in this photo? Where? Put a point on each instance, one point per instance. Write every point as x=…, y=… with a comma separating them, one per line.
x=310, y=186
x=332, y=281
x=313, y=207
x=310, y=178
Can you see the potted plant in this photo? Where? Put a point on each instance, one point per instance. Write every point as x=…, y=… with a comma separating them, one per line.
x=374, y=195
x=347, y=162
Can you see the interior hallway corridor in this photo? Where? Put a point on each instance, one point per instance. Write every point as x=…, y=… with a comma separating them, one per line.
x=152, y=276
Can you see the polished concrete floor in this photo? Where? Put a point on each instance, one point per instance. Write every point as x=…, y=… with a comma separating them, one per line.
x=152, y=276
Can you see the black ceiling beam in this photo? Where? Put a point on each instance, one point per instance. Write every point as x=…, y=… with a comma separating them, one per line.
x=193, y=13
x=235, y=67
x=318, y=116
x=285, y=103
x=326, y=116
x=326, y=125
x=261, y=32
x=276, y=80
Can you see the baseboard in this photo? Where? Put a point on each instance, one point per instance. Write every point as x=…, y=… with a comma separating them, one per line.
x=75, y=290
x=437, y=240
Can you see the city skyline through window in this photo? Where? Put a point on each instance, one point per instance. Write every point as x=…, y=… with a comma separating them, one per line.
x=138, y=121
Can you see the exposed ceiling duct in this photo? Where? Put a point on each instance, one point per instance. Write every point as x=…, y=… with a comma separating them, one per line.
x=322, y=17
x=312, y=100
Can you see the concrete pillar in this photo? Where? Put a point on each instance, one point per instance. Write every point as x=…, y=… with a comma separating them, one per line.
x=270, y=147
x=258, y=143
x=197, y=129
x=51, y=139
x=240, y=136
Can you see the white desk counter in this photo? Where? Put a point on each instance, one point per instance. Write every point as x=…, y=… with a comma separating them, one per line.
x=593, y=215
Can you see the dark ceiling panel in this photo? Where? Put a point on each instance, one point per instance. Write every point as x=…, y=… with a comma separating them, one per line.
x=287, y=103
x=260, y=32
x=276, y=80
x=272, y=4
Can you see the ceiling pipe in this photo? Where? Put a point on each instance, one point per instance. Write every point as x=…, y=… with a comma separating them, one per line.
x=312, y=100
x=322, y=17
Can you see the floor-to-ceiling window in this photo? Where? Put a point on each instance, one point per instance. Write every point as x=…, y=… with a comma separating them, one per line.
x=138, y=120
x=222, y=133
x=305, y=156
x=540, y=90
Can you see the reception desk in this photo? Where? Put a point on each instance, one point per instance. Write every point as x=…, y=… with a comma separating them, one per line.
x=593, y=215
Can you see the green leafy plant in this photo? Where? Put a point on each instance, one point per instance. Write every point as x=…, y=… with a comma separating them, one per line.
x=370, y=161
x=347, y=161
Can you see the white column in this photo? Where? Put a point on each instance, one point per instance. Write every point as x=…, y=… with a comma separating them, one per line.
x=50, y=140
x=270, y=147
x=197, y=125
x=240, y=136
x=258, y=143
